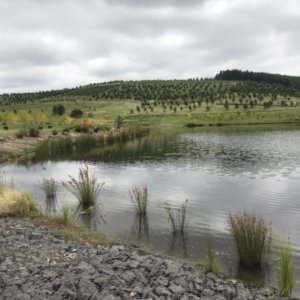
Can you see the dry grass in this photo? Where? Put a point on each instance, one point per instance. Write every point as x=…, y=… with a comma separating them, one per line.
x=15, y=203
x=73, y=231
x=252, y=237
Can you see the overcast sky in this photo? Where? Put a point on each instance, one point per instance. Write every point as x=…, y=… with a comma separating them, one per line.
x=54, y=44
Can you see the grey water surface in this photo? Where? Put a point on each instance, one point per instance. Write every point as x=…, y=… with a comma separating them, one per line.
x=219, y=170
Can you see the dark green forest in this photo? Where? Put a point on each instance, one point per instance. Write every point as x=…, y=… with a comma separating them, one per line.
x=238, y=75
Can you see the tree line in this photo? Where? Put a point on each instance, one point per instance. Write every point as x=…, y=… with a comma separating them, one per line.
x=238, y=75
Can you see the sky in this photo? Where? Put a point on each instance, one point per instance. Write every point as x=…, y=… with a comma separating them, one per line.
x=56, y=44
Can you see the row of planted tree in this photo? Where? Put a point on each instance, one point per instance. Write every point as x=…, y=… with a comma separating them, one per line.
x=252, y=235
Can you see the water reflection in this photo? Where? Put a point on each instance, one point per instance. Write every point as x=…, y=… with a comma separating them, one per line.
x=140, y=227
x=178, y=245
x=51, y=207
x=91, y=217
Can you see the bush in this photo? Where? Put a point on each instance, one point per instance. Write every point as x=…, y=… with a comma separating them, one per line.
x=21, y=133
x=58, y=110
x=34, y=132
x=76, y=113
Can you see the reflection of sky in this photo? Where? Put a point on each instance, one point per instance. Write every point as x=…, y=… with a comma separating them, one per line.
x=216, y=173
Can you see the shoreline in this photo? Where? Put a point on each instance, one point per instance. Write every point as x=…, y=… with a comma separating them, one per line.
x=36, y=263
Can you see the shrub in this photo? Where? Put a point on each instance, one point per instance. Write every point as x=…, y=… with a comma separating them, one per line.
x=21, y=133
x=34, y=132
x=76, y=113
x=252, y=237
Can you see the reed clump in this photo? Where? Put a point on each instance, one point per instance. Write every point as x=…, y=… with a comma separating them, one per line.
x=140, y=198
x=212, y=263
x=178, y=219
x=285, y=271
x=49, y=186
x=85, y=189
x=252, y=237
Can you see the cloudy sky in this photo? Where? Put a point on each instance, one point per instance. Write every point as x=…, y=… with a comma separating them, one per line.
x=54, y=44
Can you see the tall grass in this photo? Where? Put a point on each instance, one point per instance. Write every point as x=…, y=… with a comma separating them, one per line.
x=65, y=212
x=86, y=140
x=17, y=203
x=178, y=219
x=86, y=189
x=252, y=237
x=49, y=187
x=212, y=263
x=286, y=272
x=140, y=197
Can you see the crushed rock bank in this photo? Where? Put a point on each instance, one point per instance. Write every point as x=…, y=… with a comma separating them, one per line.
x=37, y=264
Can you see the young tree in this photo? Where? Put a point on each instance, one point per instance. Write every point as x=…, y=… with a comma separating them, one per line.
x=58, y=110
x=76, y=113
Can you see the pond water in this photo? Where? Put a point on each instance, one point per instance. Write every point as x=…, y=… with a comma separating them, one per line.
x=219, y=170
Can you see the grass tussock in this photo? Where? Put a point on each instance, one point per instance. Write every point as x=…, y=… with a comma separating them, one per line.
x=85, y=189
x=252, y=237
x=49, y=186
x=15, y=203
x=212, y=262
x=285, y=272
x=178, y=219
x=65, y=213
x=140, y=197
x=74, y=231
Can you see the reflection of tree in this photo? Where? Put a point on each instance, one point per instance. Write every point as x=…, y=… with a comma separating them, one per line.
x=90, y=217
x=178, y=245
x=141, y=226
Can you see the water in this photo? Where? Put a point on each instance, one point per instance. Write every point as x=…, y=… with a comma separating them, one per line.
x=219, y=171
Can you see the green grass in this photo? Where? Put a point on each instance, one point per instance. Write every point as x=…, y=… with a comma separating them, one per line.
x=65, y=213
x=85, y=189
x=252, y=237
x=212, y=262
x=140, y=198
x=285, y=272
x=178, y=219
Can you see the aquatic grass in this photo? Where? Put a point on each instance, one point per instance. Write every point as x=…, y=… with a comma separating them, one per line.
x=252, y=237
x=65, y=213
x=140, y=198
x=49, y=186
x=212, y=262
x=286, y=271
x=86, y=140
x=178, y=219
x=86, y=189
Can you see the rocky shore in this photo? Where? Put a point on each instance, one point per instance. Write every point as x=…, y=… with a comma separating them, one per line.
x=37, y=264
